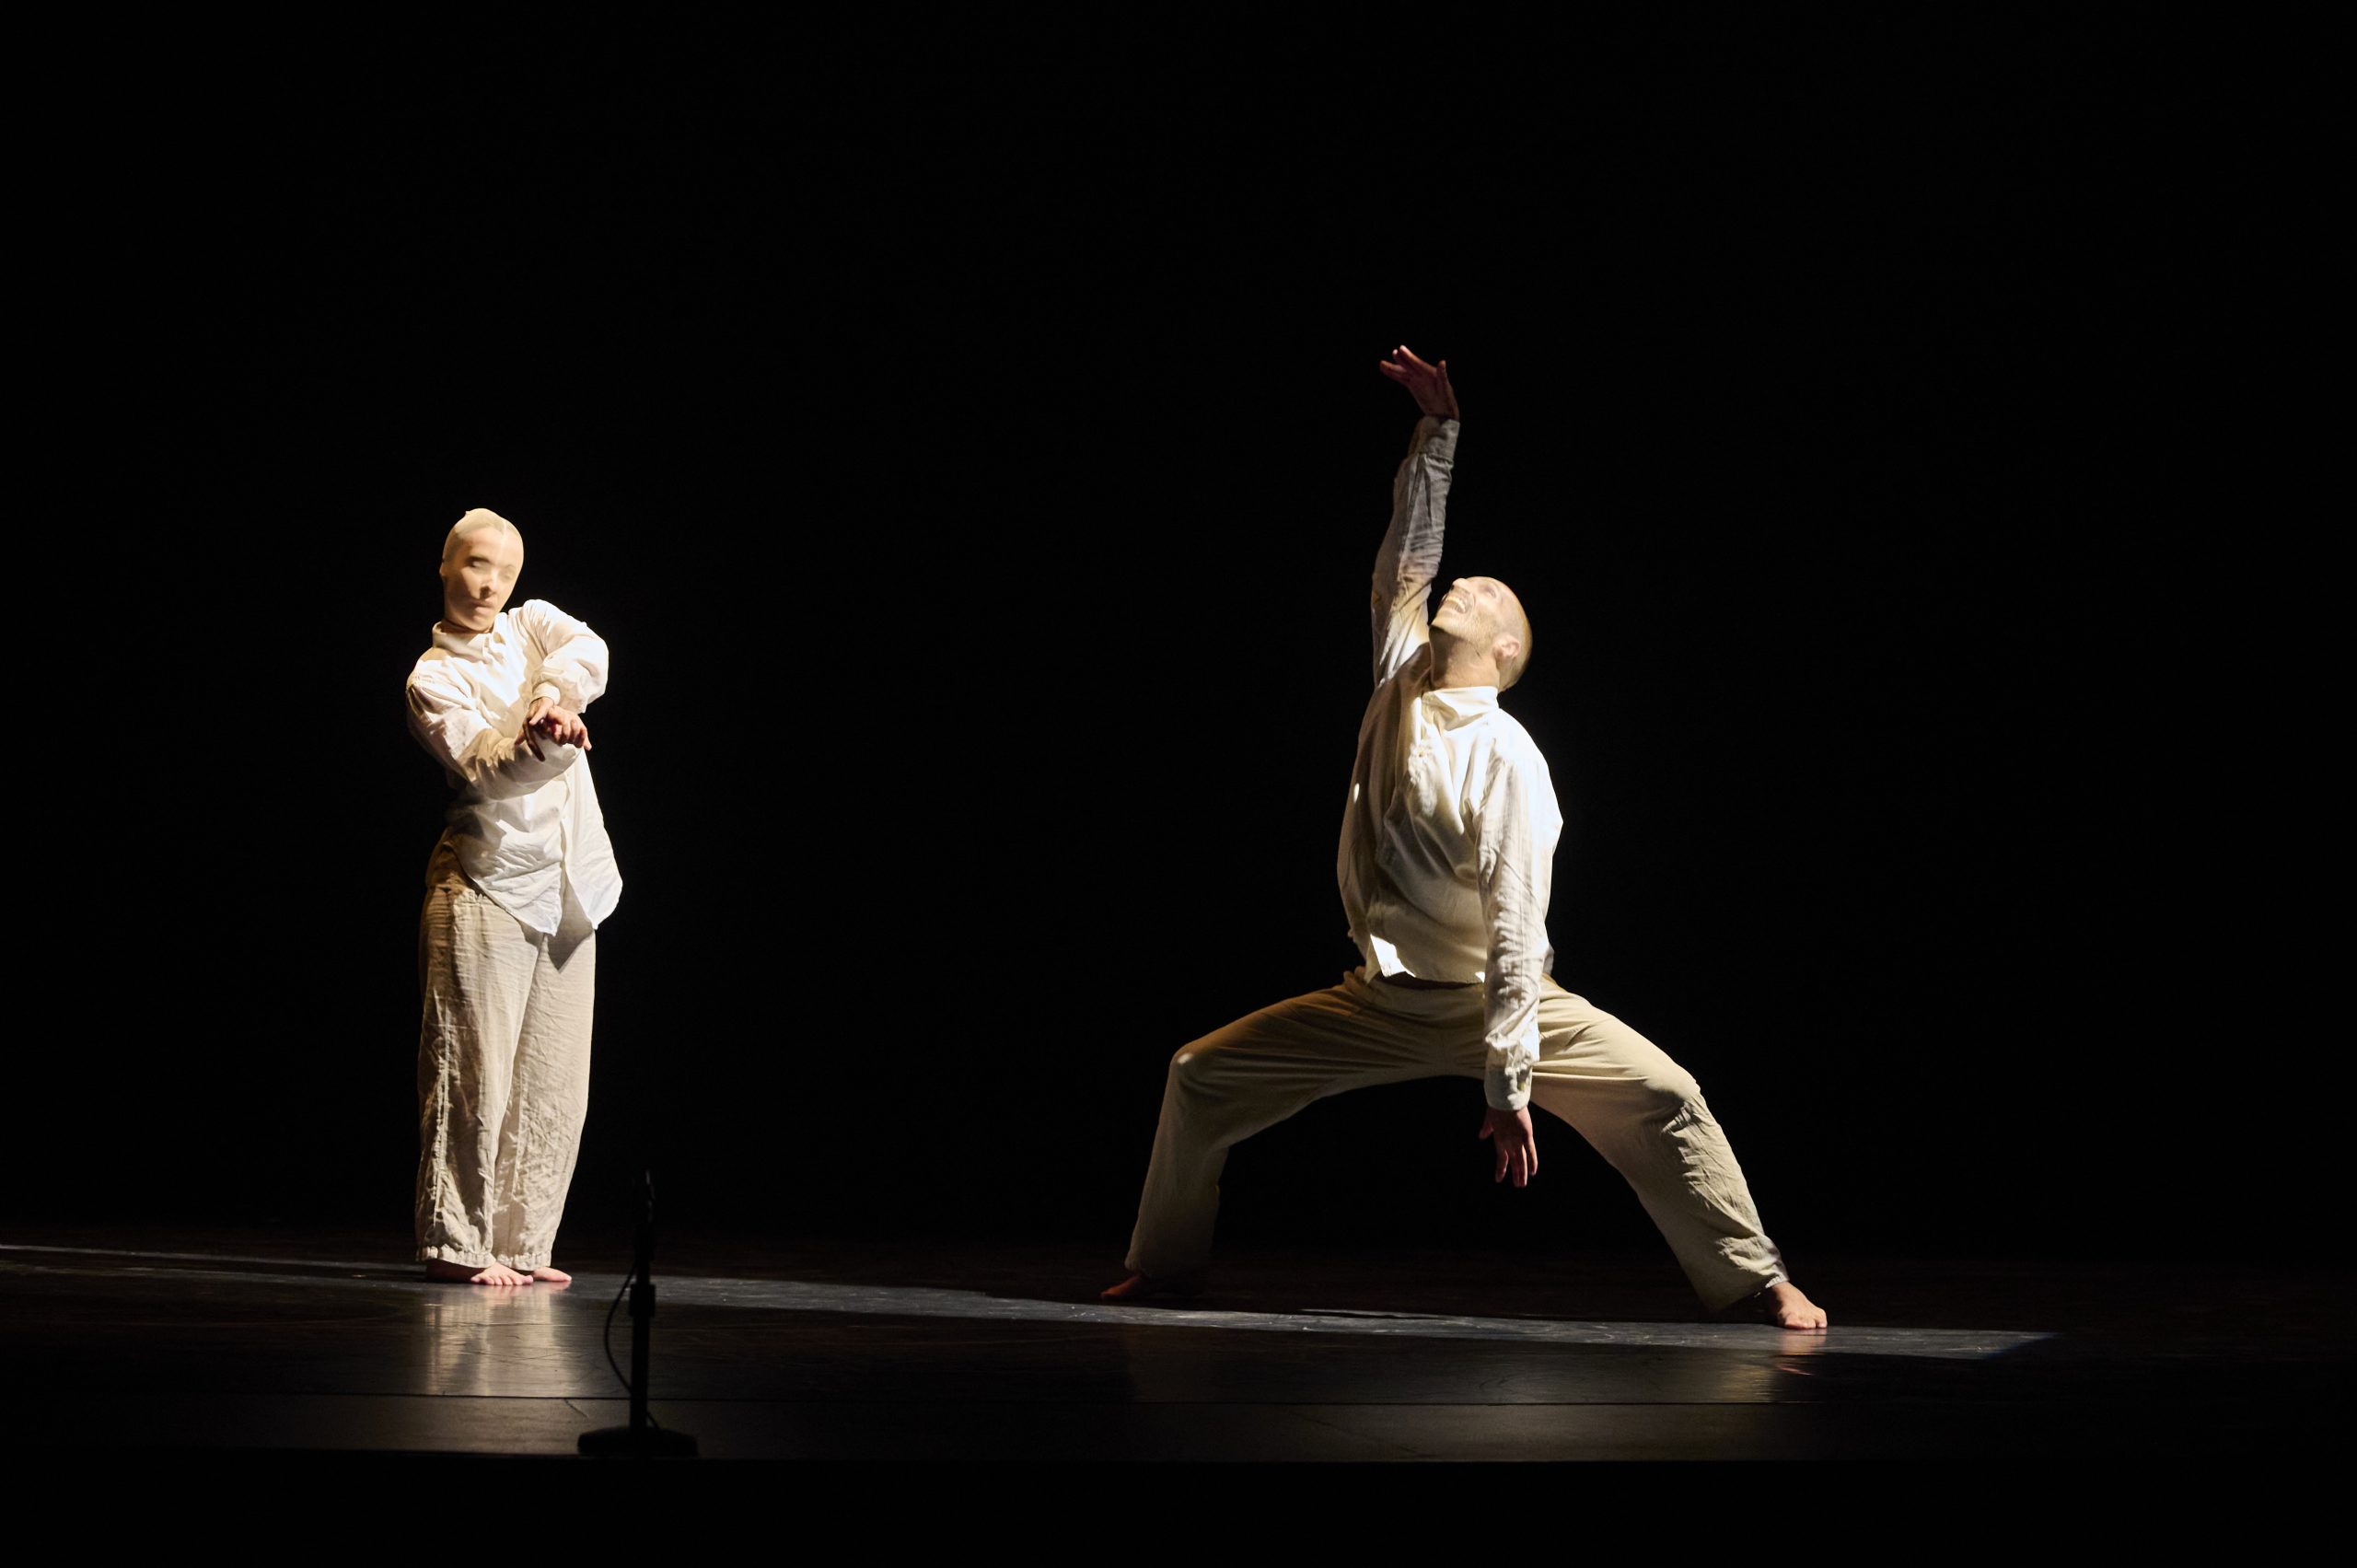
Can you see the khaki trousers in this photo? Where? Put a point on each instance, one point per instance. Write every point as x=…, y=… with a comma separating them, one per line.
x=1641, y=1112
x=503, y=1077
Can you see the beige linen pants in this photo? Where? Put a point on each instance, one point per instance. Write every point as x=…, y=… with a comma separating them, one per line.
x=1642, y=1112
x=503, y=1077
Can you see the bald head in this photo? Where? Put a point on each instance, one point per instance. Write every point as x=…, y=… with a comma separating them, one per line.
x=1512, y=624
x=1481, y=635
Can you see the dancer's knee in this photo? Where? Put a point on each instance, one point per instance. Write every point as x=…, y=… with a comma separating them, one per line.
x=1673, y=1090
x=1194, y=1066
x=1216, y=1081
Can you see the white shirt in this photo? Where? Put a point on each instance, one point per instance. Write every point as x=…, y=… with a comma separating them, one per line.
x=1448, y=839
x=527, y=831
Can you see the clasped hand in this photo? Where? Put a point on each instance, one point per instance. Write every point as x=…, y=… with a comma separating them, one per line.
x=561, y=724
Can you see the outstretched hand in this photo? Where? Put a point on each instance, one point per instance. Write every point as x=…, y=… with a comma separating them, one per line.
x=1517, y=1145
x=1428, y=384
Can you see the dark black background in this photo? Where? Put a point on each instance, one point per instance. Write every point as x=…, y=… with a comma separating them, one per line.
x=974, y=469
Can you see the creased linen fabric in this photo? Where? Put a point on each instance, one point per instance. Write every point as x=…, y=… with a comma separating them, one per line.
x=502, y=1075
x=1448, y=851
x=527, y=831
x=1639, y=1109
x=516, y=886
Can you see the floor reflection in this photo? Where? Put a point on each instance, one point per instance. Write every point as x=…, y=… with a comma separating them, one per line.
x=464, y=1317
x=792, y=1295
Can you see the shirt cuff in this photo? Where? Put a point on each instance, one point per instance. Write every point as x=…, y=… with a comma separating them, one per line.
x=549, y=690
x=1507, y=1091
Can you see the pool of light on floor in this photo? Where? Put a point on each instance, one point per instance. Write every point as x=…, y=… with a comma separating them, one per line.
x=918, y=1301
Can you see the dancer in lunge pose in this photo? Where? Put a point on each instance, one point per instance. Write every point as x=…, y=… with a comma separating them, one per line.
x=1447, y=849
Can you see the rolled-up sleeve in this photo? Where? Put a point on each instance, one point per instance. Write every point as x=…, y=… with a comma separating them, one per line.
x=1515, y=832
x=1409, y=558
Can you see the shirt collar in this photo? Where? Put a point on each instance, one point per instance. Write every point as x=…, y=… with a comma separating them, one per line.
x=466, y=644
x=1463, y=705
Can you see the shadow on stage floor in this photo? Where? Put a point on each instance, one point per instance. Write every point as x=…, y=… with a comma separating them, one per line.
x=335, y=1344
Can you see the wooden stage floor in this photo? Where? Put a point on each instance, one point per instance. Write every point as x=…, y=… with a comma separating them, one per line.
x=334, y=1344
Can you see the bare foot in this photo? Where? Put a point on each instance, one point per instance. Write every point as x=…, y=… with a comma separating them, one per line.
x=1157, y=1288
x=551, y=1276
x=1783, y=1304
x=488, y=1275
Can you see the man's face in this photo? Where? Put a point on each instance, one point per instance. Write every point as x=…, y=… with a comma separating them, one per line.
x=478, y=579
x=1478, y=611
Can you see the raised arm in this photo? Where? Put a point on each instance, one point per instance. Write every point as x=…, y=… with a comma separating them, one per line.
x=1409, y=557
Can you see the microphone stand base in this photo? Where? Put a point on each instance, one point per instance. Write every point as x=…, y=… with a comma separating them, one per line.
x=637, y=1443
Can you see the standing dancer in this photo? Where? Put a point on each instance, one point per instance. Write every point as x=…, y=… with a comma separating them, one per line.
x=1447, y=850
x=517, y=885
